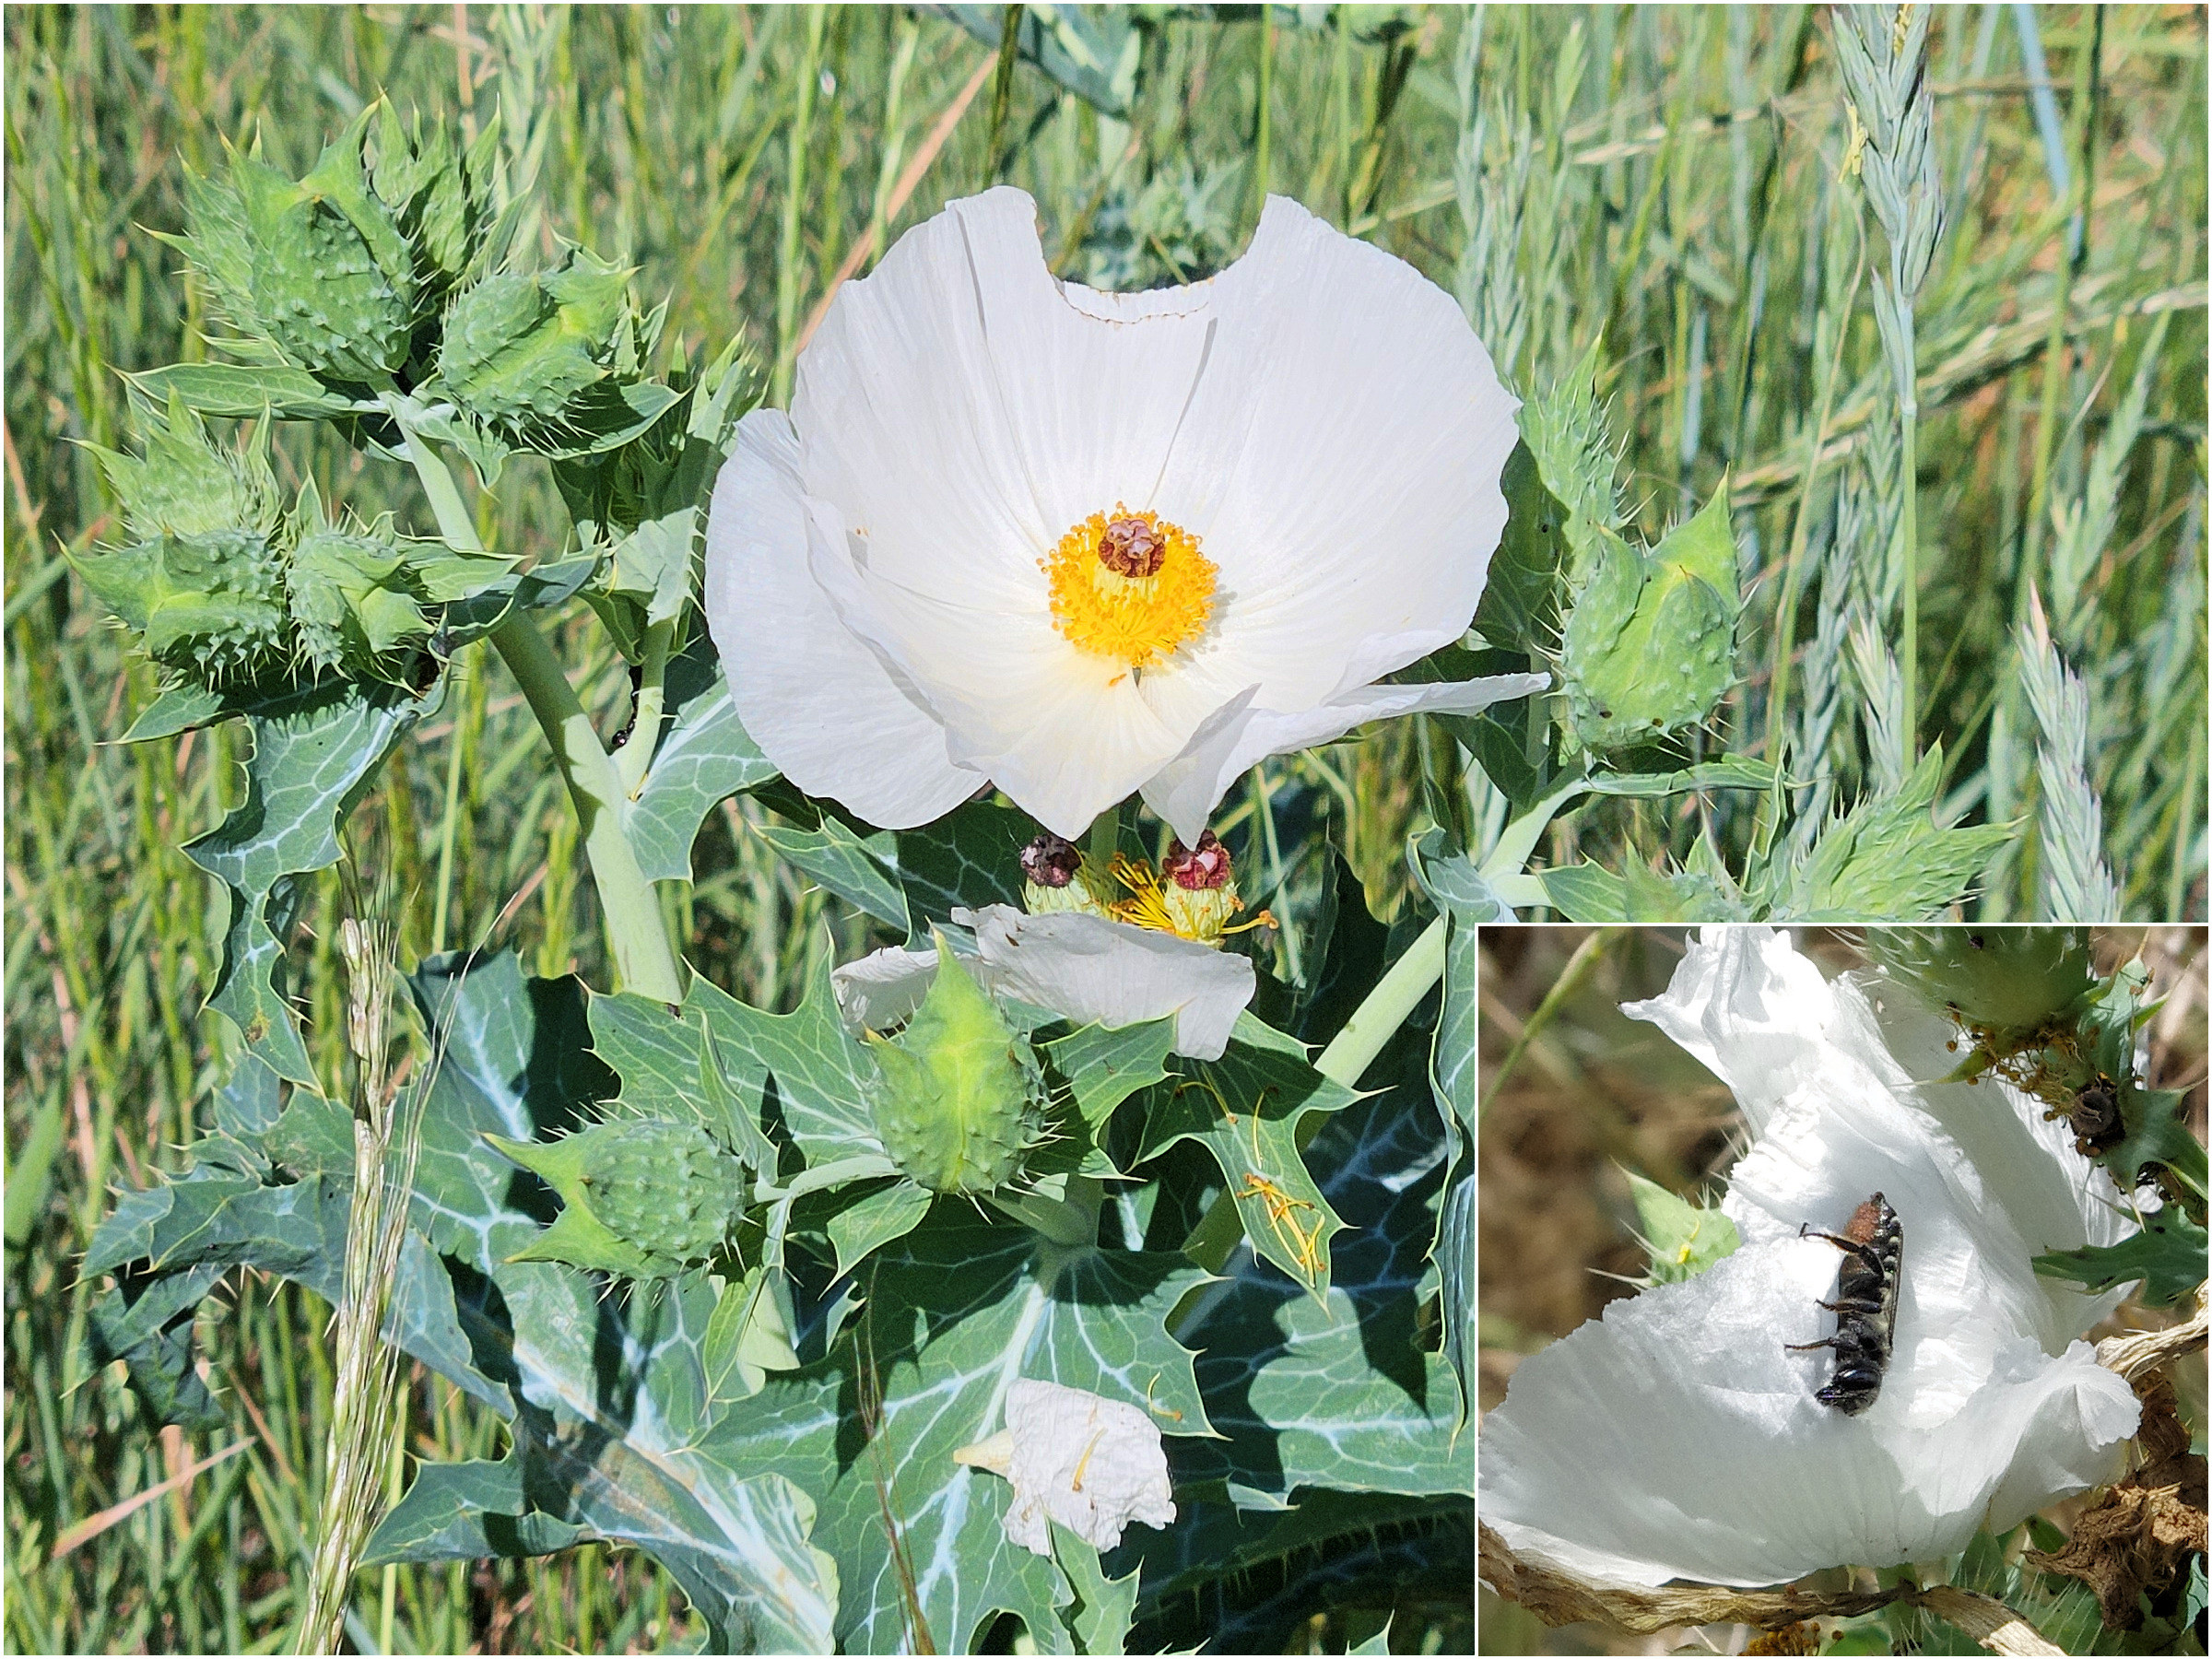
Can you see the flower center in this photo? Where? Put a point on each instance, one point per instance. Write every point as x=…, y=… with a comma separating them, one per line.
x=1129, y=585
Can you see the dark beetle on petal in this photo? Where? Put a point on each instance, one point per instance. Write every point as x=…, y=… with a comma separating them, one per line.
x=1865, y=1305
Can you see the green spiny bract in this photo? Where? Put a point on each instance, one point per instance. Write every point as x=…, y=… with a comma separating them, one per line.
x=209, y=605
x=641, y=1198
x=2003, y=979
x=183, y=485
x=1650, y=645
x=958, y=1097
x=520, y=350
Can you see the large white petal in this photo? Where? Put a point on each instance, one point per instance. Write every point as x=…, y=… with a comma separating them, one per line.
x=965, y=412
x=883, y=988
x=1187, y=789
x=1111, y=973
x=814, y=698
x=1341, y=457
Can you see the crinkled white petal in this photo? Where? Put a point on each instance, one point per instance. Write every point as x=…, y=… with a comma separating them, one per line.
x=1816, y=1058
x=811, y=695
x=1111, y=973
x=1092, y=1465
x=884, y=988
x=1085, y=968
x=1186, y=790
x=1676, y=1438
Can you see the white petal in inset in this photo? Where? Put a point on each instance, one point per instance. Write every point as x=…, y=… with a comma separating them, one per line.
x=1086, y=968
x=1676, y=1437
x=1091, y=1464
x=1067, y=541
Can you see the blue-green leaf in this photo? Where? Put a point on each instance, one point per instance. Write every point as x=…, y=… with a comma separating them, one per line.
x=314, y=755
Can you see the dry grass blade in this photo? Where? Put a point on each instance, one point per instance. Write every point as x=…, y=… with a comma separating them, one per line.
x=91, y=1526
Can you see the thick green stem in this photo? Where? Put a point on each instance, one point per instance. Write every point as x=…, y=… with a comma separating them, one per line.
x=1376, y=1020
x=636, y=936
x=652, y=702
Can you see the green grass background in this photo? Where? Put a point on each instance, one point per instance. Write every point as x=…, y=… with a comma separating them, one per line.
x=1698, y=215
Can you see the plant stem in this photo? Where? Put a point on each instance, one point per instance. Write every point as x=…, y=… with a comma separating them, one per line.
x=636, y=937
x=636, y=753
x=1376, y=1019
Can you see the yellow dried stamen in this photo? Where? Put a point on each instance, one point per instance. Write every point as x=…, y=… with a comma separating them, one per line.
x=1131, y=587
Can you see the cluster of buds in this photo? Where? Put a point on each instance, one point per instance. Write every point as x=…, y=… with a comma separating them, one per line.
x=227, y=591
x=1193, y=894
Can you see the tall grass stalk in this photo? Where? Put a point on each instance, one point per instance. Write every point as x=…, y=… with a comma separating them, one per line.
x=367, y=1397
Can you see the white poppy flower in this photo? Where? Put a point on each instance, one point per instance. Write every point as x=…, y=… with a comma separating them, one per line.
x=1015, y=531
x=1676, y=1437
x=1092, y=970
x=1092, y=1465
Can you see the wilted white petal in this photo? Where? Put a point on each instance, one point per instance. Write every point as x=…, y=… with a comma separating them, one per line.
x=884, y=988
x=1109, y=974
x=1676, y=1437
x=1091, y=1464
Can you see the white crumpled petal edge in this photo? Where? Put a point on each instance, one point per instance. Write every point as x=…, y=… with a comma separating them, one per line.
x=1092, y=970
x=1092, y=1465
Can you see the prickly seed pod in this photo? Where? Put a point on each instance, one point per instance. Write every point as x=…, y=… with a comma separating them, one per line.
x=641, y=1198
x=211, y=605
x=1056, y=876
x=2005, y=980
x=318, y=268
x=958, y=1099
x=518, y=347
x=1650, y=644
x=354, y=600
x=184, y=485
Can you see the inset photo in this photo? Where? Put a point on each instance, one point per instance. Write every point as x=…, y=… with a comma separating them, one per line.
x=1841, y=1290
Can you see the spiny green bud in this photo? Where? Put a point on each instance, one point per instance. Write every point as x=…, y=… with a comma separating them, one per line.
x=445, y=204
x=642, y=1199
x=210, y=605
x=354, y=600
x=2005, y=980
x=957, y=1098
x=1650, y=645
x=519, y=348
x=317, y=268
x=183, y=485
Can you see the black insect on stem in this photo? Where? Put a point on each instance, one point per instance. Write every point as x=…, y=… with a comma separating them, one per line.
x=1865, y=1307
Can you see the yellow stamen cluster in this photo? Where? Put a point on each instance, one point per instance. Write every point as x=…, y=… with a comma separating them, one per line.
x=1150, y=904
x=1131, y=587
